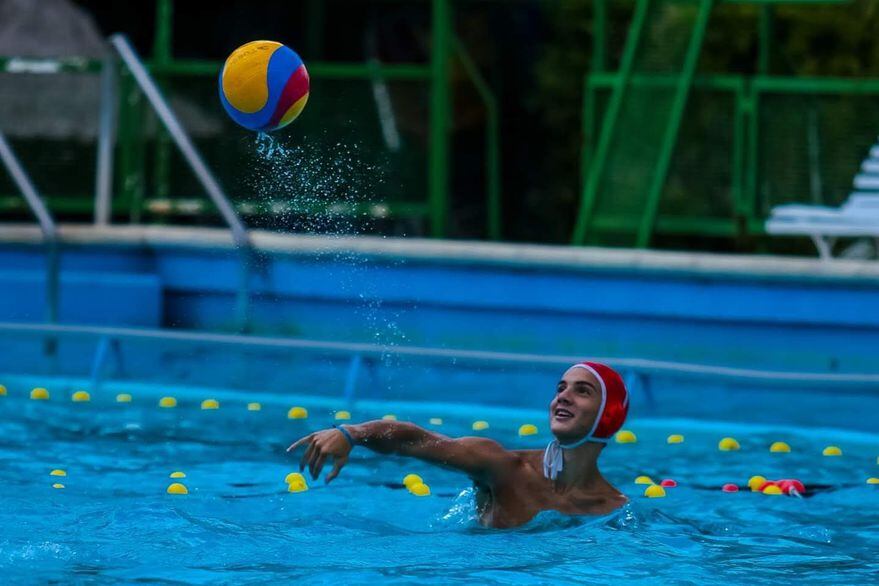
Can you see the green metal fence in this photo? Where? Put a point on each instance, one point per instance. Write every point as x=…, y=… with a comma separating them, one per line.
x=669, y=152
x=745, y=145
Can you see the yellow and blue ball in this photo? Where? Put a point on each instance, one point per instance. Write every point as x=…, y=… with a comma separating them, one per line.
x=264, y=85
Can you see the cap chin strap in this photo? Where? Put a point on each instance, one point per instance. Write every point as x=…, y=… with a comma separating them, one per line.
x=553, y=457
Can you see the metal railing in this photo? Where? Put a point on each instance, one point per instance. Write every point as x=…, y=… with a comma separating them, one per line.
x=45, y=220
x=106, y=142
x=239, y=233
x=356, y=352
x=432, y=203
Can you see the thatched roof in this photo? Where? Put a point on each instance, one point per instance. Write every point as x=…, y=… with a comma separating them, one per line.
x=37, y=103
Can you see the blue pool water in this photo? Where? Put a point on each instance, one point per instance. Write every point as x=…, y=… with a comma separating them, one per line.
x=114, y=522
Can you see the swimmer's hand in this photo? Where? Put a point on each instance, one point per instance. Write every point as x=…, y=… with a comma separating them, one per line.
x=322, y=445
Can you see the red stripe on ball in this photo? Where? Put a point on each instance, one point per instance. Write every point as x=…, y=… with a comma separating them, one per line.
x=296, y=87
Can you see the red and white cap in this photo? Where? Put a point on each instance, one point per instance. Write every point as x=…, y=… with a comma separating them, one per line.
x=614, y=402
x=610, y=418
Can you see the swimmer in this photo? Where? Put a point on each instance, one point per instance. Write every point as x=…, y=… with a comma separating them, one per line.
x=512, y=486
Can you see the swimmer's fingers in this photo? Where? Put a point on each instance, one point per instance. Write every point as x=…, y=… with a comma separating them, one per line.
x=314, y=454
x=306, y=457
x=337, y=467
x=318, y=464
x=301, y=441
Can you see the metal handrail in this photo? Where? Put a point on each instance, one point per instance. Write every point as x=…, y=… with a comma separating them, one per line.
x=172, y=124
x=193, y=157
x=47, y=223
x=639, y=365
x=106, y=140
x=24, y=184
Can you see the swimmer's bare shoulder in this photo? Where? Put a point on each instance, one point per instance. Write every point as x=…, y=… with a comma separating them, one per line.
x=599, y=499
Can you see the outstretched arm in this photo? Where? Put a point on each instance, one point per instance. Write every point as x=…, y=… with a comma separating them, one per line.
x=480, y=458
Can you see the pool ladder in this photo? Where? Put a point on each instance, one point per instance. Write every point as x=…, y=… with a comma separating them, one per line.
x=104, y=178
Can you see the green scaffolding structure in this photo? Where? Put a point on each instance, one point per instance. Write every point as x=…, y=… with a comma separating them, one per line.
x=760, y=136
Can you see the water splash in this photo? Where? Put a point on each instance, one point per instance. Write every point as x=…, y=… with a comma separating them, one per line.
x=265, y=145
x=313, y=186
x=462, y=512
x=330, y=188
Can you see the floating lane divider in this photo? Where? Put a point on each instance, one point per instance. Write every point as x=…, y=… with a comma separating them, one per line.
x=527, y=429
x=779, y=448
x=177, y=488
x=654, y=491
x=415, y=485
x=624, y=436
x=40, y=394
x=760, y=484
x=210, y=404
x=756, y=482
x=728, y=444
x=296, y=482
x=58, y=472
x=297, y=413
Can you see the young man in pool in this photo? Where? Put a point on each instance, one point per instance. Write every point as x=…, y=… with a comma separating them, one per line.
x=512, y=486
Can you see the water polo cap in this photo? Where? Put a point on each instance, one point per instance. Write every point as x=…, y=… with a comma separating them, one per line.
x=611, y=415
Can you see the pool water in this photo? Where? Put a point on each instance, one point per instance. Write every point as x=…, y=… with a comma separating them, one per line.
x=113, y=521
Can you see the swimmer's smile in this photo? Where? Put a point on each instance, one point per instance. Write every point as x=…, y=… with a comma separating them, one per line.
x=563, y=414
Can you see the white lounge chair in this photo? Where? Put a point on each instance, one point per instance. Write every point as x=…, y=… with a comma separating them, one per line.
x=857, y=217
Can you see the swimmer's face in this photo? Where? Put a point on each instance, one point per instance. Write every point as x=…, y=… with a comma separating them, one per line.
x=574, y=408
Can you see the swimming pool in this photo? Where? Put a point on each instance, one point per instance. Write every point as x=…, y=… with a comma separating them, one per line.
x=113, y=520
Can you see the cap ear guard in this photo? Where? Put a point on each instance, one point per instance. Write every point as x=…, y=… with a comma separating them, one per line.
x=614, y=402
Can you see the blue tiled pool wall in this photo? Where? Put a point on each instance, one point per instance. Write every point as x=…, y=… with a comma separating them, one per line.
x=751, y=322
